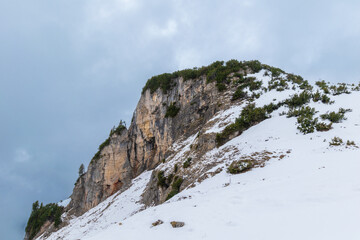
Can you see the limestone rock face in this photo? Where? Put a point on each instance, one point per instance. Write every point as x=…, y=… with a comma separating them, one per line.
x=146, y=142
x=104, y=176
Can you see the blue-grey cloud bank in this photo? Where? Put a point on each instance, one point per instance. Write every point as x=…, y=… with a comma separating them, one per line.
x=70, y=70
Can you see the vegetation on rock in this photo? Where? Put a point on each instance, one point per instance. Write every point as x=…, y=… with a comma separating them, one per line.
x=187, y=163
x=115, y=130
x=216, y=72
x=250, y=116
x=175, y=187
x=172, y=111
x=241, y=166
x=40, y=214
x=238, y=94
x=118, y=130
x=161, y=180
x=81, y=170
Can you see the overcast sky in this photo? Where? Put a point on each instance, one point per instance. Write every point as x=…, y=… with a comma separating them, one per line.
x=70, y=70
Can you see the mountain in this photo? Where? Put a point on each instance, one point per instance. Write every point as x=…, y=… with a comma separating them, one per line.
x=231, y=149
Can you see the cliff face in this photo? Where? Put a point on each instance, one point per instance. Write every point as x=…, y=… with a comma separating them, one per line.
x=172, y=108
x=147, y=140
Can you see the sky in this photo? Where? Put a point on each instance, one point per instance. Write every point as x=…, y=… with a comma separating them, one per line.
x=71, y=70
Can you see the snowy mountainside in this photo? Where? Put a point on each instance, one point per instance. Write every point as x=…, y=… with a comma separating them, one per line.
x=300, y=187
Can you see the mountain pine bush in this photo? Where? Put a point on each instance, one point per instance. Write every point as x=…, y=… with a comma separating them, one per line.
x=335, y=117
x=175, y=187
x=298, y=100
x=172, y=111
x=187, y=163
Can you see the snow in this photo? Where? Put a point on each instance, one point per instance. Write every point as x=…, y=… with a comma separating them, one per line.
x=225, y=117
x=110, y=212
x=311, y=193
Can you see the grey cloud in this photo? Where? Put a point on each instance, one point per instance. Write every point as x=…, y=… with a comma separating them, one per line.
x=69, y=71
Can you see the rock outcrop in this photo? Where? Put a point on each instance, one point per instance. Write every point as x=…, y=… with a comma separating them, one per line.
x=145, y=143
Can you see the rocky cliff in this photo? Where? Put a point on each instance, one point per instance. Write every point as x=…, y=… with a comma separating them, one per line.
x=145, y=143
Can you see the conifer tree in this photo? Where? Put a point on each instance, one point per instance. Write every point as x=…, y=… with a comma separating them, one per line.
x=81, y=170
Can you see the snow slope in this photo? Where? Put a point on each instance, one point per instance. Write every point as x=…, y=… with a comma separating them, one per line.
x=307, y=190
x=110, y=212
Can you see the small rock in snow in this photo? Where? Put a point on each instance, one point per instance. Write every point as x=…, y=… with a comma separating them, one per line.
x=176, y=224
x=158, y=222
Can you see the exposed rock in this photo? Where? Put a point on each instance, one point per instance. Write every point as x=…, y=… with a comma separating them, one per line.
x=158, y=222
x=147, y=140
x=151, y=195
x=241, y=166
x=176, y=224
x=256, y=159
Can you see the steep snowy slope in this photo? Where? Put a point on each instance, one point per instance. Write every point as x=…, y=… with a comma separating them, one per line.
x=302, y=187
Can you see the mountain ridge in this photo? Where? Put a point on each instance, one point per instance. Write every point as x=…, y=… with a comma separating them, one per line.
x=176, y=147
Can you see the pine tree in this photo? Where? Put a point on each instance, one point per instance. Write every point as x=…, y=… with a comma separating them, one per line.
x=35, y=206
x=81, y=170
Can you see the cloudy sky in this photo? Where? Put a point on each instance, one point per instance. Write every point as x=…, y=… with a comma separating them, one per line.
x=70, y=70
